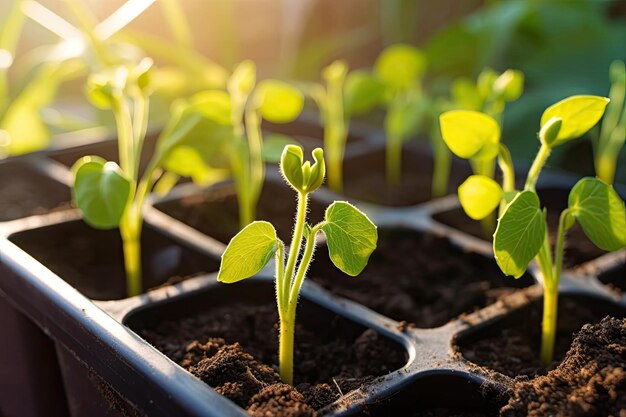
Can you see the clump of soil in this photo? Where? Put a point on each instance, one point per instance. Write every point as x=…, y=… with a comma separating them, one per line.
x=234, y=349
x=418, y=278
x=215, y=212
x=591, y=380
x=512, y=347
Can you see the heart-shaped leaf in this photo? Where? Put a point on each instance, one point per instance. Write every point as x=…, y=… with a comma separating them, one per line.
x=101, y=191
x=351, y=237
x=520, y=234
x=470, y=134
x=479, y=196
x=278, y=102
x=600, y=211
x=248, y=252
x=400, y=65
x=578, y=115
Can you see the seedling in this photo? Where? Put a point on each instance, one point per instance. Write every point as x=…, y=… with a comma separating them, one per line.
x=613, y=128
x=479, y=120
x=344, y=95
x=400, y=68
x=522, y=230
x=111, y=195
x=351, y=238
x=272, y=100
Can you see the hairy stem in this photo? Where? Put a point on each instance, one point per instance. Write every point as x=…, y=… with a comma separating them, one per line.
x=548, y=325
x=296, y=243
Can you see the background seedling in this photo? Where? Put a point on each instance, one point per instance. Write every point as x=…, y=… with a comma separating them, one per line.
x=272, y=100
x=400, y=68
x=345, y=94
x=350, y=235
x=522, y=231
x=111, y=195
x=473, y=131
x=613, y=127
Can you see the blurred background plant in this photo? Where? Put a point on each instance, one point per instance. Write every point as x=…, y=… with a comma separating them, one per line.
x=563, y=47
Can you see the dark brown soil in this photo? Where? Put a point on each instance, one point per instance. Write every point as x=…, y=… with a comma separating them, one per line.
x=418, y=278
x=616, y=277
x=364, y=178
x=591, y=380
x=215, y=212
x=92, y=261
x=511, y=347
x=234, y=349
x=578, y=248
x=25, y=192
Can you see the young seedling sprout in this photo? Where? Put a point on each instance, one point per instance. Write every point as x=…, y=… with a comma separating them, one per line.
x=522, y=230
x=111, y=195
x=613, y=127
x=473, y=131
x=351, y=238
x=400, y=68
x=345, y=94
x=272, y=100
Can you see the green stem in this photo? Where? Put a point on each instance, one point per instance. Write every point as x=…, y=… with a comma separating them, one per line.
x=126, y=149
x=393, y=163
x=285, y=348
x=280, y=276
x=441, y=169
x=537, y=166
x=257, y=167
x=130, y=230
x=296, y=243
x=141, y=111
x=548, y=328
x=336, y=133
x=304, y=266
x=505, y=162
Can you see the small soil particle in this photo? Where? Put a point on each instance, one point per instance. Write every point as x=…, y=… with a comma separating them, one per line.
x=234, y=349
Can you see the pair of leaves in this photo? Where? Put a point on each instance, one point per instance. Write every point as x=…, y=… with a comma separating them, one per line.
x=302, y=177
x=522, y=228
x=350, y=235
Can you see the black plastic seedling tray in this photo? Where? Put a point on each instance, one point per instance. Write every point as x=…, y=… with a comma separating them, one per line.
x=109, y=369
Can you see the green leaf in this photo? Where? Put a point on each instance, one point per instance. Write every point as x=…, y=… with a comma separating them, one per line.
x=291, y=166
x=399, y=66
x=509, y=85
x=242, y=81
x=600, y=211
x=520, y=234
x=479, y=196
x=470, y=134
x=278, y=102
x=351, y=237
x=101, y=191
x=248, y=252
x=187, y=161
x=273, y=145
x=362, y=92
x=578, y=113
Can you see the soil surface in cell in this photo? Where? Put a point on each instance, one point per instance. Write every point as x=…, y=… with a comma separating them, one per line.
x=24, y=193
x=215, y=212
x=512, y=346
x=365, y=178
x=234, y=350
x=92, y=260
x=591, y=380
x=419, y=278
x=578, y=248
